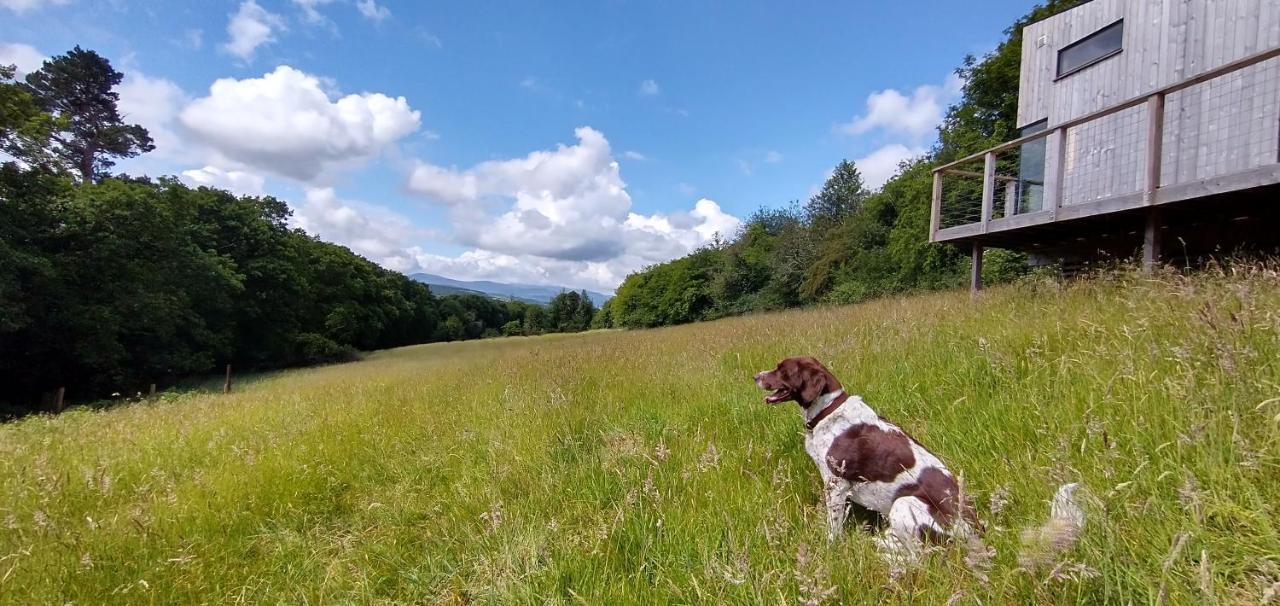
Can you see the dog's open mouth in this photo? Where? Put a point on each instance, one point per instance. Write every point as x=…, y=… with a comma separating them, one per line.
x=780, y=394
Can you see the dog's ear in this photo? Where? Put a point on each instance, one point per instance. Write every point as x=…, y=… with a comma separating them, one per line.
x=811, y=380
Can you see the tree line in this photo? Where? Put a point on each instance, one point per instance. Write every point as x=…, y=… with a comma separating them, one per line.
x=845, y=244
x=111, y=283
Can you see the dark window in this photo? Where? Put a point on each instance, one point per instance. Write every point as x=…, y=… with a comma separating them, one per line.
x=1091, y=49
x=1031, y=170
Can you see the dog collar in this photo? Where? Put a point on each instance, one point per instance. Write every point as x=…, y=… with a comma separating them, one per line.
x=827, y=410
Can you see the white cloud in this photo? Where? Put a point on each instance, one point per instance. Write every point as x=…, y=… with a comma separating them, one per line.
x=567, y=213
x=237, y=181
x=154, y=103
x=22, y=6
x=881, y=164
x=634, y=155
x=686, y=189
x=374, y=12
x=193, y=39
x=285, y=123
x=375, y=233
x=649, y=88
x=916, y=115
x=249, y=28
x=311, y=12
x=25, y=57
x=773, y=157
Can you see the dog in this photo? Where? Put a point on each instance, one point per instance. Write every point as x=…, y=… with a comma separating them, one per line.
x=867, y=460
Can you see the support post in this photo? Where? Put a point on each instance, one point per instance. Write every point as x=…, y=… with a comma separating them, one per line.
x=58, y=398
x=1056, y=171
x=1010, y=198
x=935, y=213
x=975, y=269
x=1155, y=146
x=988, y=188
x=152, y=392
x=1151, y=242
x=226, y=384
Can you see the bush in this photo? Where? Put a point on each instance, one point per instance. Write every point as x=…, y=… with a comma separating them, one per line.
x=317, y=349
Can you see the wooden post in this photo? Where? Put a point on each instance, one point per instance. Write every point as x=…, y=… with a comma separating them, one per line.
x=226, y=384
x=1056, y=170
x=935, y=213
x=1155, y=145
x=58, y=398
x=975, y=269
x=1151, y=242
x=152, y=391
x=988, y=188
x=1010, y=198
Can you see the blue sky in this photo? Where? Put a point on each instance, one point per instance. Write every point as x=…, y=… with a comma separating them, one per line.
x=566, y=143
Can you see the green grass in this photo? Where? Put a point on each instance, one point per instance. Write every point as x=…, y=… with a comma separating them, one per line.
x=642, y=467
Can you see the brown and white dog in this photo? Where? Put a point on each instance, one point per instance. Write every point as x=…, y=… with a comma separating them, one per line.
x=872, y=462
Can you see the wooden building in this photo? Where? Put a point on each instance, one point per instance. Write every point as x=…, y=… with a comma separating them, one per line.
x=1145, y=124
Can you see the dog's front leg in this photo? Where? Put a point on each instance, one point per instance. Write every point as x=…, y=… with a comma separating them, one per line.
x=837, y=506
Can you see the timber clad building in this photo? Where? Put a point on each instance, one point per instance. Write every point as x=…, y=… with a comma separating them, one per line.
x=1149, y=125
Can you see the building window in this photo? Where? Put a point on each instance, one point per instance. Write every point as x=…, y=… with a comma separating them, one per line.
x=1091, y=49
x=1031, y=170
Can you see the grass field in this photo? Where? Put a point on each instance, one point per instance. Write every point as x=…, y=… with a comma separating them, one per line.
x=641, y=467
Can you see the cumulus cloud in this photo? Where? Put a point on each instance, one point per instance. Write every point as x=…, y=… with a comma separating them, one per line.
x=567, y=210
x=249, y=28
x=375, y=12
x=915, y=115
x=649, y=88
x=26, y=58
x=236, y=181
x=881, y=164
x=373, y=232
x=286, y=123
x=22, y=6
x=154, y=103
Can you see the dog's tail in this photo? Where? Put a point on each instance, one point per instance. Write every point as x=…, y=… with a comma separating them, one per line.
x=1041, y=545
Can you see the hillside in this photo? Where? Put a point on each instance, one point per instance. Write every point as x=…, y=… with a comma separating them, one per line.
x=641, y=467
x=529, y=293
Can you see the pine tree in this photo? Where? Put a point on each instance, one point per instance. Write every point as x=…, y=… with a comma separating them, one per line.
x=78, y=90
x=842, y=195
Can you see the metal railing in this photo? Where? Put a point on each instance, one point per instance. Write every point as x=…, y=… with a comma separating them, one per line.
x=970, y=193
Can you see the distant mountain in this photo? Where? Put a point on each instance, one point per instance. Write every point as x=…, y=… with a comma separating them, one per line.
x=530, y=293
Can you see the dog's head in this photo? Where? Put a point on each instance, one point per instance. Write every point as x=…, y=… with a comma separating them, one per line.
x=801, y=380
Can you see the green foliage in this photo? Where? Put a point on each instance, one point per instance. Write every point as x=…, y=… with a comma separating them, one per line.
x=25, y=128
x=570, y=312
x=849, y=245
x=841, y=196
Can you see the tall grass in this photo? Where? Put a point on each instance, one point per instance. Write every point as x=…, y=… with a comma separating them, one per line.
x=641, y=467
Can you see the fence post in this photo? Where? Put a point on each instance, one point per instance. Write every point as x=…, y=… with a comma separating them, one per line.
x=988, y=188
x=58, y=397
x=152, y=391
x=226, y=384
